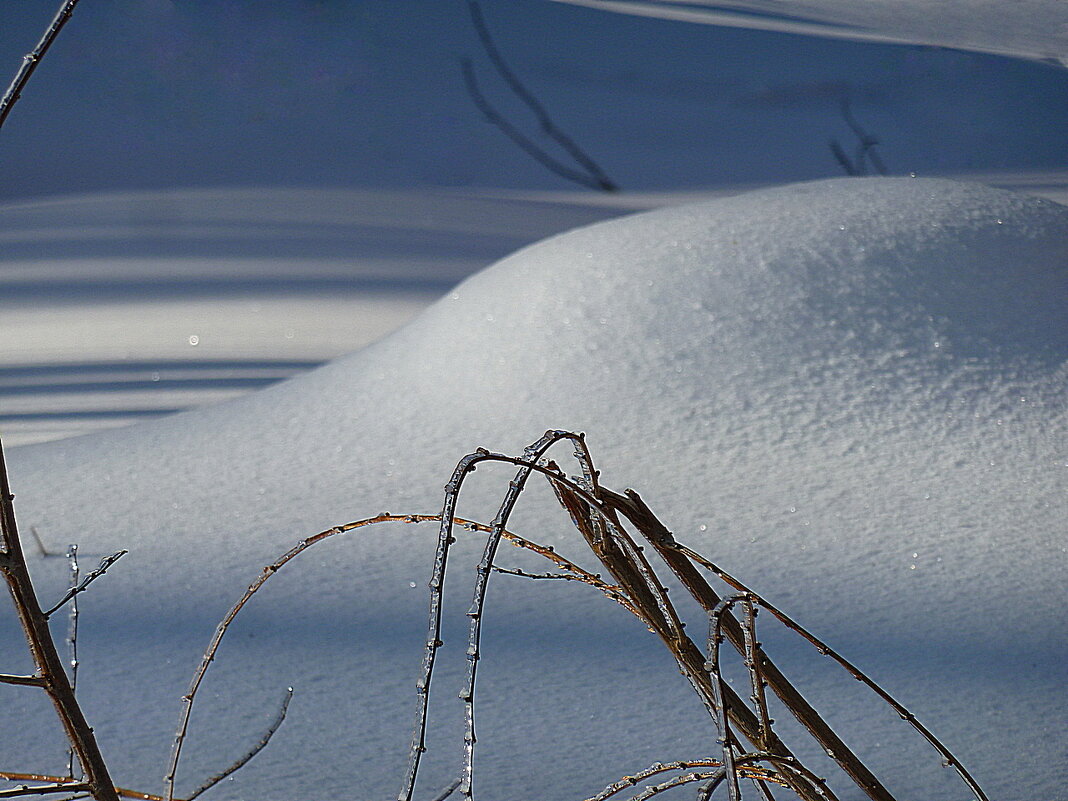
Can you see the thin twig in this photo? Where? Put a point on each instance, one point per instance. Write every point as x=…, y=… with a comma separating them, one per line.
x=627, y=782
x=121, y=792
x=33, y=58
x=41, y=789
x=213, y=646
x=948, y=759
x=259, y=746
x=72, y=636
x=101, y=569
x=25, y=681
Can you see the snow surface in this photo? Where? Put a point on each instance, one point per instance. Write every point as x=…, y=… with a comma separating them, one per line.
x=121, y=307
x=851, y=393
x=1030, y=28
x=149, y=94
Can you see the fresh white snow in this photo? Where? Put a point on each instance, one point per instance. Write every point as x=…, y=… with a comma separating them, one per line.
x=850, y=393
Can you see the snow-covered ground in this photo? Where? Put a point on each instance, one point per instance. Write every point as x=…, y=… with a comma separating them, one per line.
x=850, y=392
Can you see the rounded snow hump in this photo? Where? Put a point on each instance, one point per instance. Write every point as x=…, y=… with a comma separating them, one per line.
x=849, y=393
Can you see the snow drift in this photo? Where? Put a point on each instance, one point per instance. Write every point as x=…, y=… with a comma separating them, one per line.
x=850, y=393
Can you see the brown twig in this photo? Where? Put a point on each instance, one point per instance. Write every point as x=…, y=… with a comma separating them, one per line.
x=268, y=571
x=43, y=648
x=70, y=784
x=626, y=782
x=620, y=556
x=42, y=789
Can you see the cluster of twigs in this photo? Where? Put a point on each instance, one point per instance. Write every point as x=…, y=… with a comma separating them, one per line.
x=749, y=745
x=749, y=753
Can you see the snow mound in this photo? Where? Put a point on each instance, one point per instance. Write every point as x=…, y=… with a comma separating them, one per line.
x=850, y=393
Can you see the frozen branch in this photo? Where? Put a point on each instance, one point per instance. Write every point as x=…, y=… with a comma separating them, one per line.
x=70, y=784
x=101, y=569
x=43, y=789
x=43, y=648
x=32, y=59
x=259, y=746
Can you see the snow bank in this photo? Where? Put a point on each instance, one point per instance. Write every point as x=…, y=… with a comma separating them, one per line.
x=850, y=393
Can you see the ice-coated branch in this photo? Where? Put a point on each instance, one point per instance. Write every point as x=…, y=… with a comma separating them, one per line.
x=69, y=784
x=948, y=759
x=43, y=648
x=72, y=635
x=279, y=718
x=208, y=657
x=100, y=570
x=32, y=59
x=43, y=789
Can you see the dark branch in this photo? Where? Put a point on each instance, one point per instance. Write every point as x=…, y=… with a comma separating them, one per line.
x=33, y=58
x=259, y=746
x=101, y=569
x=43, y=789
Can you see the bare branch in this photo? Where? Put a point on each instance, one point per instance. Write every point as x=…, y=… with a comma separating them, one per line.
x=33, y=58
x=259, y=746
x=27, y=681
x=101, y=569
x=42, y=789
x=43, y=647
x=213, y=646
x=69, y=784
x=72, y=636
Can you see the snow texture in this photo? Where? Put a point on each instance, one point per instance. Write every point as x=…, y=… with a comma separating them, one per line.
x=850, y=393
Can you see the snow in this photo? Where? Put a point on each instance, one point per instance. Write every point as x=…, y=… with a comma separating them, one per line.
x=849, y=392
x=1035, y=29
x=120, y=307
x=335, y=95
